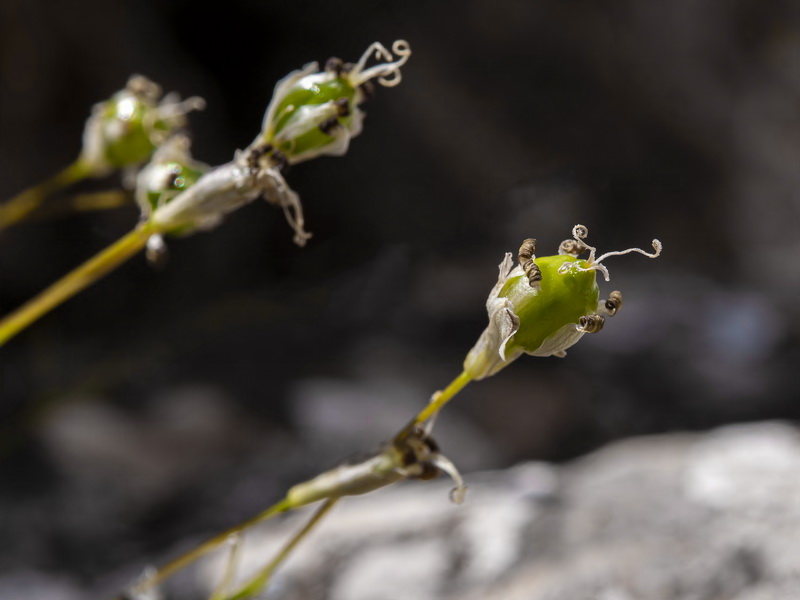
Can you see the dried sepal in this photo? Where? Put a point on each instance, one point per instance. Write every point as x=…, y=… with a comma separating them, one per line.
x=412, y=454
x=224, y=189
x=204, y=205
x=489, y=355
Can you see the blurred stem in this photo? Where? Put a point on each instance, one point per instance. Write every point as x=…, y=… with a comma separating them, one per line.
x=235, y=541
x=439, y=399
x=86, y=202
x=16, y=209
x=257, y=583
x=75, y=281
x=195, y=554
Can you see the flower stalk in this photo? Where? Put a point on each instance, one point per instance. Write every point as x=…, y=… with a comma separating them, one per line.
x=540, y=307
x=75, y=281
x=22, y=205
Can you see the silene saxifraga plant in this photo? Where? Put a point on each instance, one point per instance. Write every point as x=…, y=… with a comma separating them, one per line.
x=313, y=112
x=542, y=306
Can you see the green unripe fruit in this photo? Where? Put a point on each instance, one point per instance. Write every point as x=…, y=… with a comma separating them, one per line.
x=544, y=305
x=562, y=299
x=128, y=141
x=175, y=178
x=315, y=113
x=314, y=91
x=171, y=172
x=125, y=130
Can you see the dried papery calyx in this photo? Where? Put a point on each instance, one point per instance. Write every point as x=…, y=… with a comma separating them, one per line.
x=412, y=454
x=124, y=130
x=544, y=305
x=317, y=112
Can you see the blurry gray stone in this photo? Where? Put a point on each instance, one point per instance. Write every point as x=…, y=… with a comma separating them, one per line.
x=33, y=584
x=673, y=517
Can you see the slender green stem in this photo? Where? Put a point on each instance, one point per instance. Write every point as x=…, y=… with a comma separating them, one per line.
x=75, y=281
x=257, y=583
x=21, y=205
x=235, y=542
x=196, y=553
x=441, y=398
x=86, y=202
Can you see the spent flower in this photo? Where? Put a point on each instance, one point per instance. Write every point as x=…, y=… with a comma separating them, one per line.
x=312, y=113
x=317, y=112
x=544, y=305
x=124, y=130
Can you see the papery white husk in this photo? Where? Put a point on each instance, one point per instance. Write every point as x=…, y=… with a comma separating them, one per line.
x=557, y=343
x=281, y=89
x=215, y=194
x=225, y=189
x=488, y=355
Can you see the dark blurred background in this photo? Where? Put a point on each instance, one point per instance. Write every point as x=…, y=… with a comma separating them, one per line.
x=164, y=404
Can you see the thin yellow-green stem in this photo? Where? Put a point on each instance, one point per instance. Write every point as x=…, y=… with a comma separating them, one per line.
x=75, y=281
x=261, y=579
x=21, y=205
x=198, y=552
x=257, y=583
x=103, y=200
x=441, y=398
x=235, y=541
x=86, y=202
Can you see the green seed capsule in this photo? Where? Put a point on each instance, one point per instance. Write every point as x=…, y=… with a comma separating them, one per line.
x=170, y=172
x=562, y=299
x=312, y=113
x=127, y=138
x=309, y=114
x=125, y=130
x=174, y=178
x=315, y=112
x=544, y=305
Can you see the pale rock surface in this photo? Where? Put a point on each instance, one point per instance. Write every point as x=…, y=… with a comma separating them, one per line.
x=675, y=517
